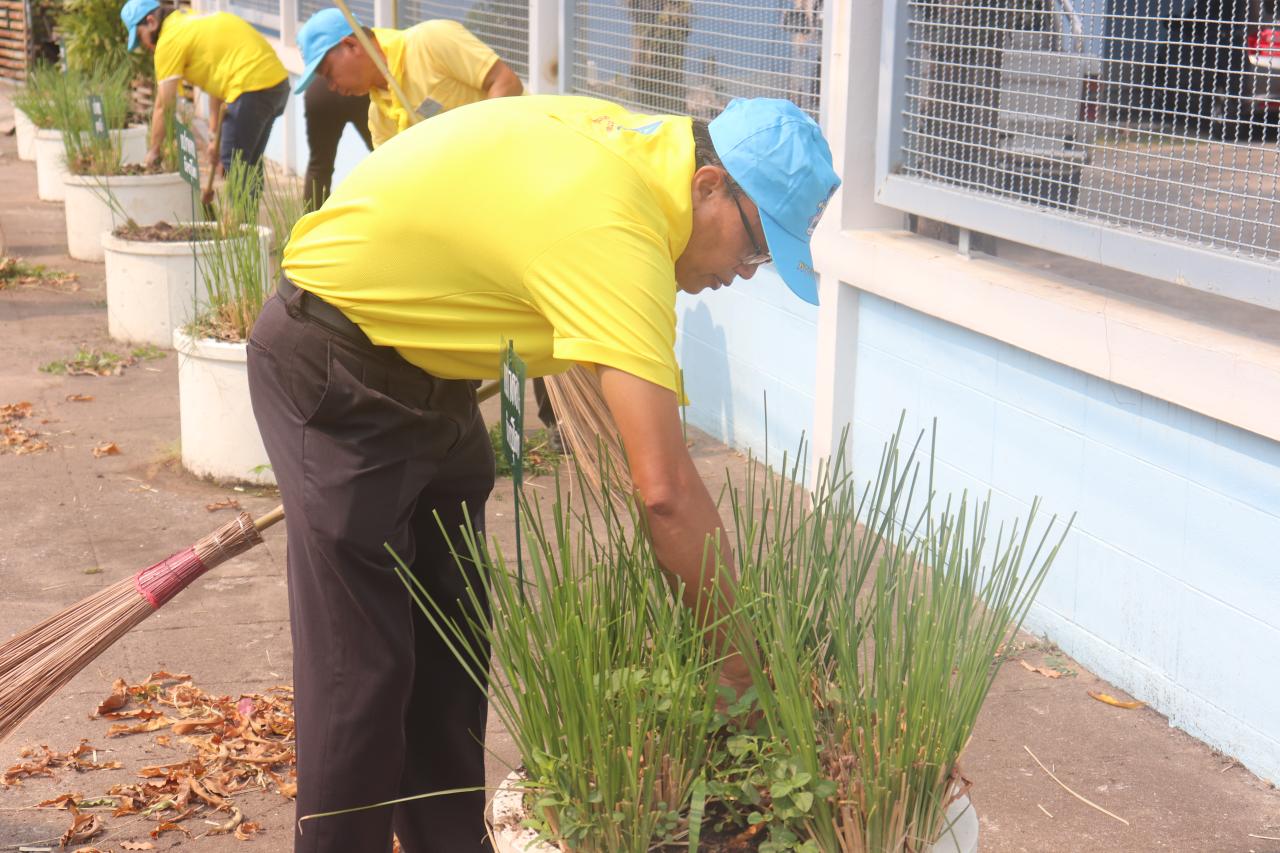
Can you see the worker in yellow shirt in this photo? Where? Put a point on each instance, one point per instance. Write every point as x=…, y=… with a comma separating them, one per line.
x=439, y=65
x=226, y=58
x=439, y=246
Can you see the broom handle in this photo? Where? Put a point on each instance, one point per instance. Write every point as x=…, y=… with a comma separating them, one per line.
x=378, y=62
x=264, y=521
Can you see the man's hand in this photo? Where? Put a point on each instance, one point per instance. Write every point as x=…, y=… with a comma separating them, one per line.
x=152, y=159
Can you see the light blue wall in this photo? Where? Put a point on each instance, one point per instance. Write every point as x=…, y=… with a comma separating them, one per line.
x=740, y=346
x=1169, y=585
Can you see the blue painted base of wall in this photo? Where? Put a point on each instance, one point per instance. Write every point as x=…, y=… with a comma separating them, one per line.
x=749, y=356
x=1169, y=584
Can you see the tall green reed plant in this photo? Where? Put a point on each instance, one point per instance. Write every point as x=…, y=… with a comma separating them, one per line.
x=36, y=98
x=284, y=201
x=870, y=613
x=607, y=689
x=232, y=263
x=85, y=152
x=878, y=614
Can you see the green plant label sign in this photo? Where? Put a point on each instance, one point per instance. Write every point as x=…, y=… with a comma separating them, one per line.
x=188, y=161
x=513, y=374
x=98, y=116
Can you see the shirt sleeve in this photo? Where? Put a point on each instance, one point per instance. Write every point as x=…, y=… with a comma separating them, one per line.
x=169, y=60
x=609, y=293
x=457, y=53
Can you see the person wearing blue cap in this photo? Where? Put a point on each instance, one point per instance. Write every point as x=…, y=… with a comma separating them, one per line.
x=223, y=56
x=438, y=64
x=566, y=225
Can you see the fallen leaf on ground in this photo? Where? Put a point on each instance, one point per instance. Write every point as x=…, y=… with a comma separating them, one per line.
x=137, y=845
x=1118, y=703
x=83, y=827
x=225, y=503
x=117, y=700
x=1045, y=671
x=79, y=398
x=107, y=448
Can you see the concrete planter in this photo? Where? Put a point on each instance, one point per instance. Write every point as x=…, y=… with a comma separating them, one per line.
x=154, y=288
x=51, y=164
x=146, y=199
x=510, y=837
x=220, y=437
x=25, y=130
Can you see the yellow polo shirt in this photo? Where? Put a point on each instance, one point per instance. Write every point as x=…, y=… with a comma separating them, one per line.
x=439, y=65
x=554, y=221
x=219, y=53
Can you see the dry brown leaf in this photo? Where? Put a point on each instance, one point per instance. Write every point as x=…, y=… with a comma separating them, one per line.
x=62, y=801
x=186, y=727
x=107, y=448
x=246, y=830
x=83, y=827
x=79, y=398
x=137, y=845
x=118, y=699
x=1108, y=699
x=225, y=503
x=169, y=826
x=1045, y=671
x=152, y=725
x=230, y=825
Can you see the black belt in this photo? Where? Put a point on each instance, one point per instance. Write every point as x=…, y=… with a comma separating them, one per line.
x=315, y=308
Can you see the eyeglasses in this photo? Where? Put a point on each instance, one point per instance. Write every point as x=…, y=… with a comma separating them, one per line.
x=761, y=255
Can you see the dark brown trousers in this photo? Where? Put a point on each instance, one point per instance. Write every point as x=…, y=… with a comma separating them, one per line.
x=367, y=450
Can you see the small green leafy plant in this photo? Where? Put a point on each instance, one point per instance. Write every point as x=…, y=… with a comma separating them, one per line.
x=90, y=362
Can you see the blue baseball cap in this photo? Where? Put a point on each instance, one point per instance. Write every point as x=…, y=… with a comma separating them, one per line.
x=778, y=155
x=132, y=14
x=319, y=35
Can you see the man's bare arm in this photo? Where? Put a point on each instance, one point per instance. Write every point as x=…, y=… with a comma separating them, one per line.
x=166, y=97
x=501, y=81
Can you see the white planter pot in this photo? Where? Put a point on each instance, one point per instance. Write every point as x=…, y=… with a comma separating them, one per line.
x=510, y=837
x=25, y=130
x=51, y=164
x=152, y=289
x=146, y=199
x=220, y=437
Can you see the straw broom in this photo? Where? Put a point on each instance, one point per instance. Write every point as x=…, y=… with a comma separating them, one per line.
x=41, y=660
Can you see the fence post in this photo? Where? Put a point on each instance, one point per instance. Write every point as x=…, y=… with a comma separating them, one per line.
x=851, y=107
x=545, y=70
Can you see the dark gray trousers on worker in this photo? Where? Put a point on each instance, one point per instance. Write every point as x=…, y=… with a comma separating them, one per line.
x=367, y=449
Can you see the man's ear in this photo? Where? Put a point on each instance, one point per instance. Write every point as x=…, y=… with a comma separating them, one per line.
x=707, y=181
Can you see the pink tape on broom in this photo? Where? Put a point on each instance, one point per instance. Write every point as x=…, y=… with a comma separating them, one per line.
x=161, y=582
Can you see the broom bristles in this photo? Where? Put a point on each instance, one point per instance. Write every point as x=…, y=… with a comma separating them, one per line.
x=585, y=422
x=41, y=660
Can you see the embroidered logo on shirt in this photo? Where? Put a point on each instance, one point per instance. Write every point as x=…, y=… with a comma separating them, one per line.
x=429, y=108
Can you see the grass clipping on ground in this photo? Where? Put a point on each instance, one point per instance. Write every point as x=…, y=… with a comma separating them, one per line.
x=15, y=272
x=224, y=746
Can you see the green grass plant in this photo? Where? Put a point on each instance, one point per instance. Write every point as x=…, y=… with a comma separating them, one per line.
x=233, y=265
x=36, y=98
x=607, y=689
x=85, y=152
x=871, y=612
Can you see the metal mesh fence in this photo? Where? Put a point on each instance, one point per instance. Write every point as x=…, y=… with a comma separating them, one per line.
x=678, y=56
x=1152, y=115
x=260, y=10
x=501, y=24
x=362, y=9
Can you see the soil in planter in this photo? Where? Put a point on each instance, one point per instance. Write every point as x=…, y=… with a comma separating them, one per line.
x=164, y=232
x=85, y=166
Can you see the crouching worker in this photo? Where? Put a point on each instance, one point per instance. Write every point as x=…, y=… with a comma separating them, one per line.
x=223, y=56
x=573, y=242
